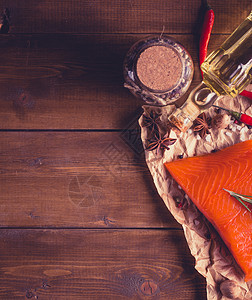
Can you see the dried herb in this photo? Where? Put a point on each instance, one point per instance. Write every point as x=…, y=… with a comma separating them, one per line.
x=151, y=120
x=201, y=125
x=241, y=198
x=160, y=142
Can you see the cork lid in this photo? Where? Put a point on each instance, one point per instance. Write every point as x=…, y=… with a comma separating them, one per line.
x=159, y=68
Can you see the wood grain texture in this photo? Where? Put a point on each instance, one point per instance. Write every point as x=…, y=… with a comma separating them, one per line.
x=120, y=16
x=97, y=264
x=85, y=179
x=101, y=16
x=71, y=158
x=71, y=81
x=78, y=76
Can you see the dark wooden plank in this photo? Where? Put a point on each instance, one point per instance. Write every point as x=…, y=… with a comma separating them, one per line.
x=97, y=264
x=67, y=179
x=229, y=14
x=63, y=82
x=119, y=16
x=70, y=81
x=101, y=16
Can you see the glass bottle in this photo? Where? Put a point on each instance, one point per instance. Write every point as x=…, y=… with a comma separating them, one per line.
x=226, y=71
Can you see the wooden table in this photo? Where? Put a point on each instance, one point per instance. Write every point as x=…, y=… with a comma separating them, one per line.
x=80, y=216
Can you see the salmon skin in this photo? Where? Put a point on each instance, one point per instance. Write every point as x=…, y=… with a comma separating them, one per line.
x=203, y=179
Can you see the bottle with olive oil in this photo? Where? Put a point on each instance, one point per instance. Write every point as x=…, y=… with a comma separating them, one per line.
x=226, y=71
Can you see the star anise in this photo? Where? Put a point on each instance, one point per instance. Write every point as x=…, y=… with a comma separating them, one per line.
x=160, y=142
x=151, y=120
x=202, y=125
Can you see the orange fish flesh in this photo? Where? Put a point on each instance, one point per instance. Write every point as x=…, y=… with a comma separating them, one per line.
x=203, y=178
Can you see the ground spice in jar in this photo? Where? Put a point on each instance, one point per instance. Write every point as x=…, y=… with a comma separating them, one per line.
x=159, y=68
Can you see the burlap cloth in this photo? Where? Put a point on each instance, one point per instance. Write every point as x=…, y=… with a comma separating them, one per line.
x=224, y=278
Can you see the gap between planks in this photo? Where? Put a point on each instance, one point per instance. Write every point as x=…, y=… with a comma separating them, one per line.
x=91, y=228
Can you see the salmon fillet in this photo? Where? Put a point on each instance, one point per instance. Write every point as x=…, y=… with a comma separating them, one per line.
x=203, y=179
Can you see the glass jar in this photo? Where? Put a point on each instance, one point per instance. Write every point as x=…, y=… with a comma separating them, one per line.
x=158, y=69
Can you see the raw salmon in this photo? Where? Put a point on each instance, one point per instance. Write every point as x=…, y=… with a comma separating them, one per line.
x=203, y=179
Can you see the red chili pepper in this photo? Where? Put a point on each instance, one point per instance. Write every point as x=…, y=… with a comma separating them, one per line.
x=246, y=119
x=205, y=34
x=246, y=94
